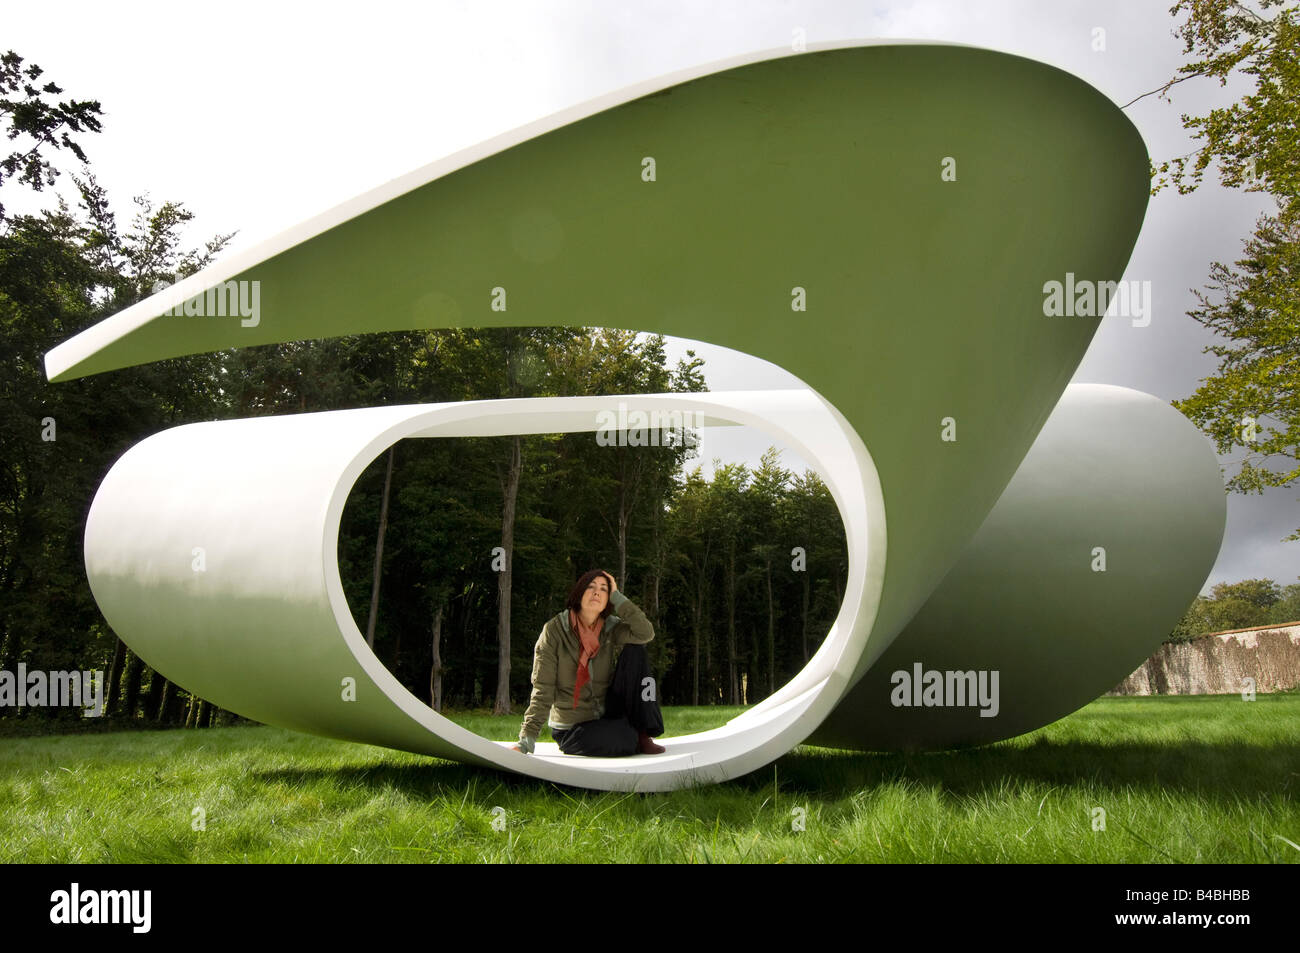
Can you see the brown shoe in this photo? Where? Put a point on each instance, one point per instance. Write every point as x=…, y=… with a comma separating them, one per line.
x=646, y=745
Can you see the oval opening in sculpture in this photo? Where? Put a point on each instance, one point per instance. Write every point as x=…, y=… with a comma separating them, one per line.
x=741, y=570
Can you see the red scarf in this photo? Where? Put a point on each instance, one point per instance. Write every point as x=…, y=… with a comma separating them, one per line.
x=589, y=636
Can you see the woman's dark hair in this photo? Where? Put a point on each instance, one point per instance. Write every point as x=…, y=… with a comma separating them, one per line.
x=580, y=589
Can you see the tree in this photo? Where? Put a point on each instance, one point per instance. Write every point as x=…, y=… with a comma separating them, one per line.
x=727, y=524
x=694, y=551
x=1254, y=142
x=816, y=528
x=497, y=363
x=38, y=124
x=1258, y=593
x=770, y=517
x=1233, y=605
x=60, y=272
x=1287, y=607
x=1253, y=401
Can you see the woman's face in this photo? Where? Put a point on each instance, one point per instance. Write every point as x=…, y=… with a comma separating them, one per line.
x=597, y=595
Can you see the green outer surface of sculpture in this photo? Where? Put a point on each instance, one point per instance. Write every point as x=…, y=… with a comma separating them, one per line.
x=819, y=171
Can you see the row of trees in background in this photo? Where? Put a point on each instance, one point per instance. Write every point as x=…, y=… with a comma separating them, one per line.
x=61, y=271
x=741, y=573
x=1239, y=605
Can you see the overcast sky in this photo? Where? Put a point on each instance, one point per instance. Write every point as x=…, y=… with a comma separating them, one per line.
x=260, y=115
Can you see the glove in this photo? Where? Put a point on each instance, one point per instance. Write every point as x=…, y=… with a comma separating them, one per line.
x=527, y=744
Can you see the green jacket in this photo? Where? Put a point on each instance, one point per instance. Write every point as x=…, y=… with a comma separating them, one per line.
x=555, y=667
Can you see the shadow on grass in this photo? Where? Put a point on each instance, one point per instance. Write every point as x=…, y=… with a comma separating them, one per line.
x=1218, y=771
x=1221, y=772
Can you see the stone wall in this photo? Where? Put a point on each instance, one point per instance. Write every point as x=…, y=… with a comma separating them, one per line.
x=1217, y=664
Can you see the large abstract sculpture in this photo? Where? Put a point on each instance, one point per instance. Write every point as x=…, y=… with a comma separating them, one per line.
x=881, y=221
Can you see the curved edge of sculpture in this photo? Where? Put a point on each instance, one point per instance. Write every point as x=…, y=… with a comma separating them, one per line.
x=212, y=549
x=76, y=356
x=1097, y=546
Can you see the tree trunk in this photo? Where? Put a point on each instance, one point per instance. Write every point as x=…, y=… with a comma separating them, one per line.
x=204, y=717
x=192, y=713
x=115, y=676
x=806, y=586
x=154, y=698
x=468, y=673
x=657, y=548
x=623, y=515
x=510, y=493
x=710, y=676
x=623, y=520
x=9, y=653
x=435, y=676
x=771, y=634
x=133, y=672
x=731, y=627
x=173, y=706
x=630, y=479
x=379, y=551
x=168, y=690
x=695, y=689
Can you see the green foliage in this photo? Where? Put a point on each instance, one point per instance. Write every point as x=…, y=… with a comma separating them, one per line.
x=1238, y=605
x=1287, y=607
x=38, y=124
x=756, y=614
x=1255, y=142
x=59, y=273
x=1253, y=401
x=1257, y=593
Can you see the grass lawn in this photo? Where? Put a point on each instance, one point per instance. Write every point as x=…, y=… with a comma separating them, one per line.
x=1183, y=779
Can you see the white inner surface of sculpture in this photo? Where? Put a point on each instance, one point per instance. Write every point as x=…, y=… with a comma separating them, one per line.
x=212, y=548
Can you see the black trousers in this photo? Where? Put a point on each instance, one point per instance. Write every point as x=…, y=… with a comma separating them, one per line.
x=627, y=713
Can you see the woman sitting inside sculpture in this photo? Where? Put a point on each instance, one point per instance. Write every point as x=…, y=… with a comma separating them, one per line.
x=591, y=675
